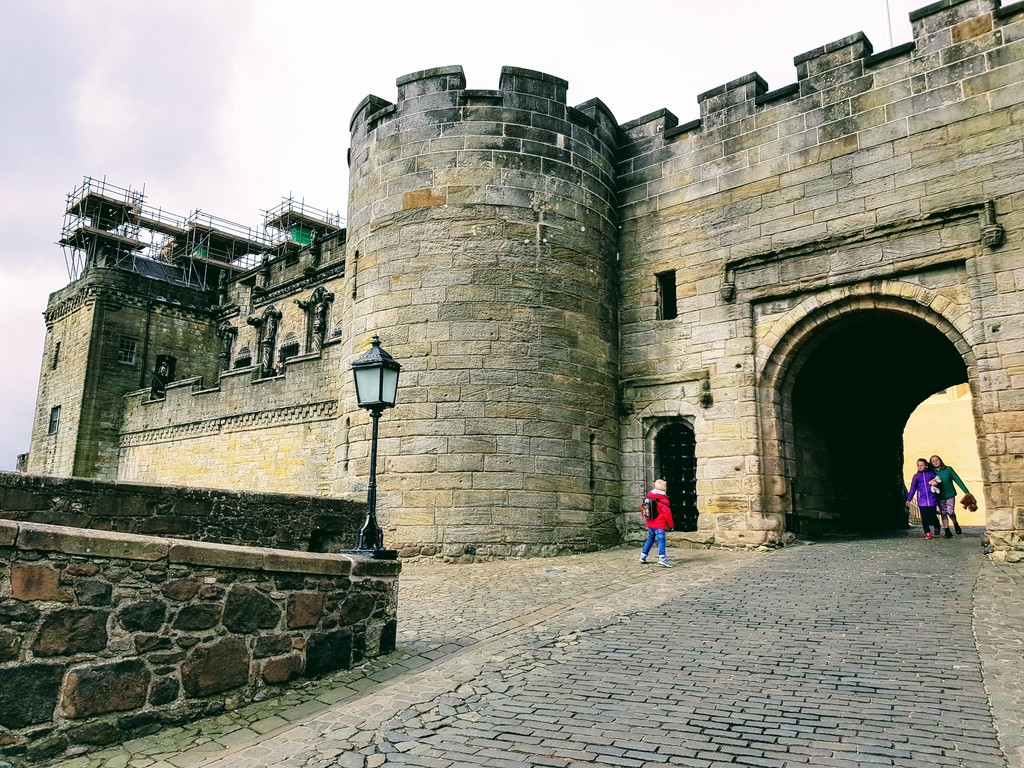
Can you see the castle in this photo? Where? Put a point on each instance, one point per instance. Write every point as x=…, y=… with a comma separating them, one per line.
x=750, y=304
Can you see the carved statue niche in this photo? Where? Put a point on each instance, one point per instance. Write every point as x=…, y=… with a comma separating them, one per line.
x=318, y=312
x=315, y=250
x=267, y=324
x=227, y=333
x=222, y=287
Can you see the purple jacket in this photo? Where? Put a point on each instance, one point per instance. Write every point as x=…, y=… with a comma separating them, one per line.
x=919, y=485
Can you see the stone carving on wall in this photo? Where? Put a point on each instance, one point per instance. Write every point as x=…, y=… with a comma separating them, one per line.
x=318, y=310
x=267, y=324
x=227, y=333
x=992, y=233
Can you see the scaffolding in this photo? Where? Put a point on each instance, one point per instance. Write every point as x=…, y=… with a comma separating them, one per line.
x=294, y=224
x=113, y=226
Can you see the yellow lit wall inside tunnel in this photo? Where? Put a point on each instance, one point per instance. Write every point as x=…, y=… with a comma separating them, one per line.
x=944, y=425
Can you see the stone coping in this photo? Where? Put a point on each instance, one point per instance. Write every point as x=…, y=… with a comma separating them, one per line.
x=129, y=546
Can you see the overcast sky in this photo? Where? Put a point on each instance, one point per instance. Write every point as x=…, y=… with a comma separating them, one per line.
x=229, y=105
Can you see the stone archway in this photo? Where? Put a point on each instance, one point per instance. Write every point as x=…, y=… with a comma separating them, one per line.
x=834, y=396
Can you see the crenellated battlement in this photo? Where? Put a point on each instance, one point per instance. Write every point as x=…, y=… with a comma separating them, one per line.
x=963, y=62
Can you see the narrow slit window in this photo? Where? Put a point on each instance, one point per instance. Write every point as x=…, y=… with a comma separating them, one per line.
x=667, y=295
x=54, y=420
x=56, y=355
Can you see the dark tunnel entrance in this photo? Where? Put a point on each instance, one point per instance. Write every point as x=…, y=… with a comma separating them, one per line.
x=853, y=387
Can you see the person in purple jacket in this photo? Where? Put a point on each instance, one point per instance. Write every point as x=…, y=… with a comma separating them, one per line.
x=927, y=502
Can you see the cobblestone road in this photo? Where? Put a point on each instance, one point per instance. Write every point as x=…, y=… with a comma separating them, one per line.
x=864, y=652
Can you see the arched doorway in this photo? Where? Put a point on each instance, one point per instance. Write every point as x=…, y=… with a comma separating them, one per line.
x=845, y=390
x=675, y=460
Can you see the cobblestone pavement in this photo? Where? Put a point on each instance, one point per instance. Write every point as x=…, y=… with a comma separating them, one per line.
x=862, y=652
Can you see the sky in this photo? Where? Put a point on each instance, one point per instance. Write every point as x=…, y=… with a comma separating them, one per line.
x=229, y=105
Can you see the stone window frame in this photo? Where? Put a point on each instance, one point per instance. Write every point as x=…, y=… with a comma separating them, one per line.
x=291, y=349
x=55, y=357
x=54, y=425
x=244, y=358
x=668, y=308
x=127, y=350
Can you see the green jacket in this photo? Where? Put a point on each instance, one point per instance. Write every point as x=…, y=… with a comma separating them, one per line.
x=948, y=476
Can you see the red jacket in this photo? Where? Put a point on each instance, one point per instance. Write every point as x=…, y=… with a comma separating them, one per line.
x=664, y=519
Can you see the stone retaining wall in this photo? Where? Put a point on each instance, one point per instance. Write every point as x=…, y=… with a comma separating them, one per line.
x=107, y=636
x=278, y=520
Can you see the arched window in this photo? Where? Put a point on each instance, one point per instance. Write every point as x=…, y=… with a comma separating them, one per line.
x=244, y=359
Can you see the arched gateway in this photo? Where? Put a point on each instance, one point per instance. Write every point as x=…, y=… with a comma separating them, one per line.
x=835, y=394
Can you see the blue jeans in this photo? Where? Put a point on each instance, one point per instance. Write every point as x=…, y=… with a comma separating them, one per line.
x=652, y=534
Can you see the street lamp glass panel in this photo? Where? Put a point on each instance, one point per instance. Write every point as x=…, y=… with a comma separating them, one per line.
x=389, y=386
x=376, y=377
x=368, y=386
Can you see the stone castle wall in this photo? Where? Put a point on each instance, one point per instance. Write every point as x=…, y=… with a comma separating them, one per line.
x=860, y=187
x=277, y=520
x=482, y=250
x=275, y=434
x=509, y=249
x=105, y=636
x=91, y=319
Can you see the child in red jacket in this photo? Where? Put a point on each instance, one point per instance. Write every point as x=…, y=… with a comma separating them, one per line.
x=660, y=522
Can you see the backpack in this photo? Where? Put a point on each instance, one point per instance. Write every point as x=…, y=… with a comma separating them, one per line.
x=648, y=509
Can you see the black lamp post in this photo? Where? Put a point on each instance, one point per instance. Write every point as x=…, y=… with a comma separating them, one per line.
x=376, y=375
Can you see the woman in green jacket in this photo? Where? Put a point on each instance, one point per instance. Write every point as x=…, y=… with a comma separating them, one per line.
x=943, y=483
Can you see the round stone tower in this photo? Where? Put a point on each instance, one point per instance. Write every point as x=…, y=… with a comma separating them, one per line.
x=482, y=250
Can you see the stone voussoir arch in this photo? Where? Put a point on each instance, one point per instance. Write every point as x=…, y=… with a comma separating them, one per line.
x=778, y=358
x=789, y=333
x=642, y=430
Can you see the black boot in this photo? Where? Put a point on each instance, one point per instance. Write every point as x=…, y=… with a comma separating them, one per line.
x=948, y=534
x=956, y=527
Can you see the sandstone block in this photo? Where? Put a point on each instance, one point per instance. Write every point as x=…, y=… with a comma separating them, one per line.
x=356, y=608
x=94, y=689
x=219, y=666
x=271, y=645
x=12, y=612
x=306, y=562
x=248, y=609
x=328, y=651
x=181, y=589
x=305, y=609
x=78, y=541
x=93, y=592
x=148, y=643
x=142, y=616
x=81, y=569
x=70, y=631
x=8, y=533
x=278, y=671
x=223, y=555
x=28, y=693
x=37, y=582
x=10, y=645
x=194, y=617
x=164, y=691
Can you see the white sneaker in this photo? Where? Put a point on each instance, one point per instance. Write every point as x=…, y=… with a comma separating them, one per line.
x=663, y=561
x=643, y=559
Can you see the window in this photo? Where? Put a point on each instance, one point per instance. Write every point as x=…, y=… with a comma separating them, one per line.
x=666, y=295
x=56, y=355
x=288, y=350
x=54, y=420
x=126, y=349
x=244, y=359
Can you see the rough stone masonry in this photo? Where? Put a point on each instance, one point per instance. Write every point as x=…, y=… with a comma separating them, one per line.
x=739, y=303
